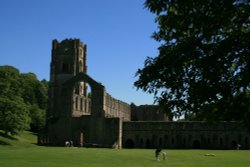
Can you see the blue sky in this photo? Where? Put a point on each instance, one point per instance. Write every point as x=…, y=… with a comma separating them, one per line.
x=117, y=34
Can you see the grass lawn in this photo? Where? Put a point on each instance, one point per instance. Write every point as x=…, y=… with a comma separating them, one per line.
x=20, y=152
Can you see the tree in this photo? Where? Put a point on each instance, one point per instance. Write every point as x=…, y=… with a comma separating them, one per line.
x=35, y=96
x=34, y=91
x=203, y=67
x=37, y=116
x=10, y=82
x=29, y=84
x=14, y=115
x=23, y=101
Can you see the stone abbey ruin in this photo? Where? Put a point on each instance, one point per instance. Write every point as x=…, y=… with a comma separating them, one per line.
x=80, y=110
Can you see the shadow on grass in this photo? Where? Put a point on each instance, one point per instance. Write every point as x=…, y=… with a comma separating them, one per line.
x=33, y=133
x=7, y=136
x=4, y=143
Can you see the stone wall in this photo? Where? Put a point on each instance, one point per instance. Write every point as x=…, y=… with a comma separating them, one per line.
x=81, y=105
x=147, y=113
x=115, y=108
x=185, y=135
x=83, y=131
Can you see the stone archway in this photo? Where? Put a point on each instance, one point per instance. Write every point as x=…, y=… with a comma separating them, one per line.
x=82, y=139
x=129, y=143
x=97, y=90
x=233, y=144
x=148, y=144
x=196, y=144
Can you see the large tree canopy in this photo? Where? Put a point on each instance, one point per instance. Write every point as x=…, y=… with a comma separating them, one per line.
x=203, y=66
x=23, y=101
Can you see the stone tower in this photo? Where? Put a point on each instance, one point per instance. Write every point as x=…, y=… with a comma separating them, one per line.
x=75, y=114
x=68, y=60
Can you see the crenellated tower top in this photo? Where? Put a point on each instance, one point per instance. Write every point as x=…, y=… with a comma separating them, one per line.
x=68, y=58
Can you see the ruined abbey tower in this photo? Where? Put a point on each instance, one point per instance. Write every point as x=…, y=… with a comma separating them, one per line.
x=81, y=111
x=79, y=107
x=68, y=60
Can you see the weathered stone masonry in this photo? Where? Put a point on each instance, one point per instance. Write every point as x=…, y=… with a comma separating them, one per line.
x=81, y=110
x=185, y=135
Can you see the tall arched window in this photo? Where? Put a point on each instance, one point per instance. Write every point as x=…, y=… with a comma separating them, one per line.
x=65, y=68
x=221, y=141
x=246, y=141
x=80, y=66
x=76, y=103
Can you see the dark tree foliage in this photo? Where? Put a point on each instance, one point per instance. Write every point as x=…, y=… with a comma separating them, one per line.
x=202, y=70
x=37, y=116
x=35, y=96
x=34, y=91
x=23, y=101
x=14, y=115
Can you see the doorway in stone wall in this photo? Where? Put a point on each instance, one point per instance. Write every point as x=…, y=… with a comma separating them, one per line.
x=82, y=139
x=148, y=144
x=196, y=144
x=129, y=143
x=233, y=144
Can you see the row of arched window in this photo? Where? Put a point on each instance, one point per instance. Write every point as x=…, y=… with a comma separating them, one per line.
x=82, y=104
x=188, y=141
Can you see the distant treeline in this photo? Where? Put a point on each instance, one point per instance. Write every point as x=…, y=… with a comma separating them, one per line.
x=23, y=101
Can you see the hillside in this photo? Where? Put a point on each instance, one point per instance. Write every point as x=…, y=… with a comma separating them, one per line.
x=25, y=139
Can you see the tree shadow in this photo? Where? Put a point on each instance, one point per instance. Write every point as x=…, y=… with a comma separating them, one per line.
x=7, y=136
x=4, y=143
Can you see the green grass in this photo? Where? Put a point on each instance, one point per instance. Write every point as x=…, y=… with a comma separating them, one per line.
x=25, y=139
x=20, y=152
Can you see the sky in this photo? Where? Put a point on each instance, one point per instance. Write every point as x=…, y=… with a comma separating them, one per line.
x=117, y=34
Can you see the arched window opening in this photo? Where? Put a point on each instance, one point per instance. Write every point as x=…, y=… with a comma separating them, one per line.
x=208, y=141
x=166, y=140
x=190, y=137
x=82, y=97
x=221, y=141
x=65, y=68
x=82, y=139
x=154, y=141
x=172, y=141
x=184, y=141
x=160, y=141
x=80, y=66
x=81, y=104
x=141, y=141
x=148, y=143
x=234, y=144
x=196, y=144
x=129, y=143
x=239, y=138
x=246, y=141
x=76, y=103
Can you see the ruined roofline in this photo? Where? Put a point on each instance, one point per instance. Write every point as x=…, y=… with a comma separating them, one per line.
x=144, y=105
x=77, y=40
x=110, y=96
x=187, y=122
